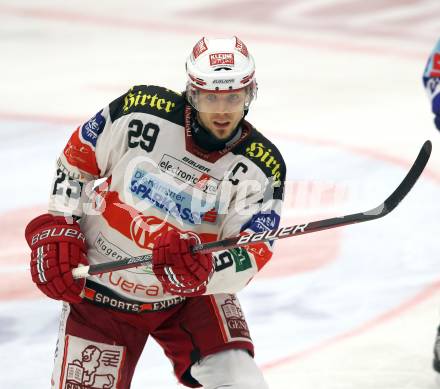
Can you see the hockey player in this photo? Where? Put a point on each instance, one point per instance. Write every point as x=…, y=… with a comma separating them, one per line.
x=431, y=81
x=178, y=169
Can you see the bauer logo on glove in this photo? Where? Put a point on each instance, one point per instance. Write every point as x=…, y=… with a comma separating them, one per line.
x=57, y=247
x=57, y=232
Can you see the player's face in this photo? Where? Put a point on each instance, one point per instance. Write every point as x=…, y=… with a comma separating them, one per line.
x=220, y=113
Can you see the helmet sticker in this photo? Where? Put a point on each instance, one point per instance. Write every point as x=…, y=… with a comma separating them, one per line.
x=241, y=47
x=199, y=48
x=221, y=59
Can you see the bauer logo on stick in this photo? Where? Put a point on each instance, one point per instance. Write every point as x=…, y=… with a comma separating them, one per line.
x=273, y=234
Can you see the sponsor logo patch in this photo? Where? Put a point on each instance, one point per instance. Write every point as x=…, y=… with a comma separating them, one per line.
x=195, y=165
x=90, y=364
x=233, y=318
x=264, y=155
x=261, y=253
x=105, y=297
x=140, y=228
x=143, y=99
x=188, y=174
x=91, y=130
x=81, y=155
x=158, y=193
x=110, y=250
x=145, y=229
x=264, y=221
x=241, y=259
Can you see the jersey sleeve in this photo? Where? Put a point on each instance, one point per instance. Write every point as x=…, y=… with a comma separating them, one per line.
x=431, y=81
x=255, y=207
x=90, y=154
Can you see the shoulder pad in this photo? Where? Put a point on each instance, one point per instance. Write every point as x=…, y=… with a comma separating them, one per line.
x=151, y=99
x=263, y=153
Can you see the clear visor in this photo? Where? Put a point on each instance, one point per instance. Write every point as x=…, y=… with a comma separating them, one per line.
x=220, y=101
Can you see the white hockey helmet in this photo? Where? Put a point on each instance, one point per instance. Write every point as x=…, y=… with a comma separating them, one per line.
x=220, y=68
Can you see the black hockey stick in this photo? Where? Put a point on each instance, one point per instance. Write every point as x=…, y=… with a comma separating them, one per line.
x=284, y=232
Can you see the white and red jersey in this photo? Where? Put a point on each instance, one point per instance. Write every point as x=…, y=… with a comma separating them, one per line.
x=157, y=178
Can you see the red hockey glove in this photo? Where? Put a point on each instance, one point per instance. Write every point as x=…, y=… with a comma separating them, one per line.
x=57, y=247
x=179, y=271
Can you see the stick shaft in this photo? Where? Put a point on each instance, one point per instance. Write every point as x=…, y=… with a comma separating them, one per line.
x=284, y=232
